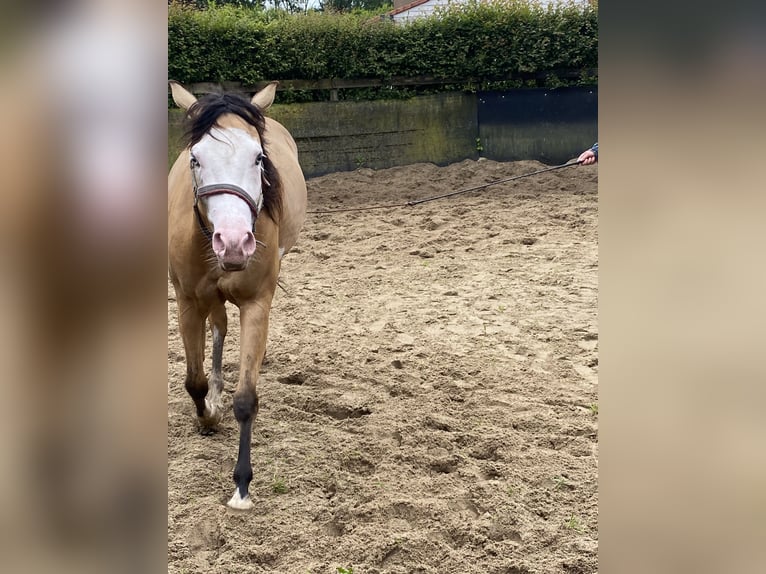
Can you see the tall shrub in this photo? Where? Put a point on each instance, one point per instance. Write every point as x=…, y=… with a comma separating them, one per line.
x=476, y=44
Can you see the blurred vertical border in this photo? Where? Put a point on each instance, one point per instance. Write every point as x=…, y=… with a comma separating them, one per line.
x=682, y=308
x=83, y=113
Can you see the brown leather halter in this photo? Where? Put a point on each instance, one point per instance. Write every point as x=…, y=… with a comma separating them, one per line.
x=218, y=189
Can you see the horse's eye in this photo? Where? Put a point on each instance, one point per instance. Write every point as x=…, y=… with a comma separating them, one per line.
x=258, y=159
x=194, y=163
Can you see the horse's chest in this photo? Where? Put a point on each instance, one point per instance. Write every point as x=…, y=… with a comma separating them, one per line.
x=238, y=289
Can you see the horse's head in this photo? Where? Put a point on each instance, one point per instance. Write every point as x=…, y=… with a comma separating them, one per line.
x=231, y=174
x=227, y=165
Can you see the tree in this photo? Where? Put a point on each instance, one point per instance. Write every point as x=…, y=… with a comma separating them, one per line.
x=350, y=5
x=202, y=4
x=292, y=6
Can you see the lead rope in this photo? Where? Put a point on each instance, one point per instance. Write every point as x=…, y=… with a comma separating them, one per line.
x=450, y=194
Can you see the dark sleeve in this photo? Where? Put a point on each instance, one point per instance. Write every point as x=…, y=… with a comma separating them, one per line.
x=594, y=149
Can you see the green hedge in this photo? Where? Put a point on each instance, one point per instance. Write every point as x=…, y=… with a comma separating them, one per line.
x=486, y=41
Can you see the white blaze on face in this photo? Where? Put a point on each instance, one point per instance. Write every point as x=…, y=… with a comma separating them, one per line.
x=230, y=156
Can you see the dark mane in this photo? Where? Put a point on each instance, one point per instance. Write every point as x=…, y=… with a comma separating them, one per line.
x=203, y=115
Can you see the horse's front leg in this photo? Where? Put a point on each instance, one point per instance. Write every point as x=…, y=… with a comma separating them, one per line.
x=191, y=324
x=254, y=320
x=213, y=401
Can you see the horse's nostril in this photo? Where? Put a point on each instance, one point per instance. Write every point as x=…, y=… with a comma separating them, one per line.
x=218, y=244
x=248, y=244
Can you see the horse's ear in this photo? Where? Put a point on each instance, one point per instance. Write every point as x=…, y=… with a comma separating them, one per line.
x=181, y=96
x=265, y=97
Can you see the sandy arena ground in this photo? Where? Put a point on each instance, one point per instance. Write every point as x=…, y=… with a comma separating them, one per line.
x=429, y=400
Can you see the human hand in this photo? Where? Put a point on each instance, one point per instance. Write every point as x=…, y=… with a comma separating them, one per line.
x=587, y=157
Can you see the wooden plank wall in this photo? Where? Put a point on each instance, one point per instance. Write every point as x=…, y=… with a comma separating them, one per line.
x=441, y=129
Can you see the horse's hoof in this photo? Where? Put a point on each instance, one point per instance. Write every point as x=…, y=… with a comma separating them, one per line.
x=208, y=425
x=239, y=503
x=208, y=422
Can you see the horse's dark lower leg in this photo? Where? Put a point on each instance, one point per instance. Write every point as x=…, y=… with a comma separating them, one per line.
x=218, y=337
x=254, y=326
x=245, y=409
x=196, y=386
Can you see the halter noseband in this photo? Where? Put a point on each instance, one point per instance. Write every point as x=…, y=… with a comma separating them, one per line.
x=218, y=189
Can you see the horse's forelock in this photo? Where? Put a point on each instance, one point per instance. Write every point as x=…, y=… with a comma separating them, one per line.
x=203, y=115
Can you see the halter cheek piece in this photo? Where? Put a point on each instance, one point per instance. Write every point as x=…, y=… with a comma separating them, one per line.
x=218, y=189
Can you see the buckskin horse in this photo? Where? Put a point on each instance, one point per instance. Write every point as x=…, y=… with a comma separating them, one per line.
x=236, y=203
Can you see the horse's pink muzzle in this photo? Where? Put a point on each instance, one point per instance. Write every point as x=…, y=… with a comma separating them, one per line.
x=233, y=248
